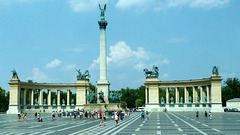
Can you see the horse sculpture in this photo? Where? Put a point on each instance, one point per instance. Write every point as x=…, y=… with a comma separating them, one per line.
x=83, y=76
x=215, y=70
x=153, y=73
x=14, y=72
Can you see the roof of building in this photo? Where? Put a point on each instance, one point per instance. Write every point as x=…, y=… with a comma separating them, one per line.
x=234, y=100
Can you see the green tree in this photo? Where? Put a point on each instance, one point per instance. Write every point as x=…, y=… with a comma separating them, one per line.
x=231, y=89
x=4, y=100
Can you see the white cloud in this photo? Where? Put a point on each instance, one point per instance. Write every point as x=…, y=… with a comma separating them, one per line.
x=158, y=5
x=53, y=63
x=122, y=55
x=85, y=5
x=39, y=76
x=69, y=67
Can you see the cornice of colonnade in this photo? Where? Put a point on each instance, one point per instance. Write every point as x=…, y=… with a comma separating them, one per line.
x=182, y=83
x=82, y=83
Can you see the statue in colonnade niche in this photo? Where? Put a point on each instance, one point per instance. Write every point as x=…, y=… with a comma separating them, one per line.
x=83, y=76
x=91, y=97
x=101, y=96
x=198, y=99
x=72, y=102
x=14, y=72
x=205, y=99
x=162, y=100
x=215, y=70
x=153, y=73
x=181, y=99
x=36, y=101
x=171, y=100
x=54, y=101
x=190, y=99
x=44, y=101
x=63, y=102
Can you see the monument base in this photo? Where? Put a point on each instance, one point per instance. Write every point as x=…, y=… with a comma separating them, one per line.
x=104, y=87
x=103, y=107
x=13, y=110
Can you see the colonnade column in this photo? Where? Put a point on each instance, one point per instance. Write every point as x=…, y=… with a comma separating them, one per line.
x=201, y=94
x=32, y=97
x=49, y=96
x=24, y=97
x=194, y=94
x=207, y=92
x=29, y=96
x=58, y=97
x=167, y=96
x=40, y=97
x=176, y=95
x=68, y=97
x=146, y=95
x=185, y=95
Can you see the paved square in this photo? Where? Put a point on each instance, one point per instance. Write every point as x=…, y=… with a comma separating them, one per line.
x=184, y=123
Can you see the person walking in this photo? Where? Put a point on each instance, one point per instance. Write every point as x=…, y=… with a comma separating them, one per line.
x=142, y=114
x=197, y=114
x=36, y=116
x=102, y=119
x=206, y=114
x=19, y=117
x=210, y=115
x=53, y=115
x=116, y=119
x=147, y=115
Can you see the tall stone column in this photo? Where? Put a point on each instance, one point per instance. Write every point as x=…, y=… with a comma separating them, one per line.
x=185, y=95
x=49, y=97
x=176, y=95
x=24, y=97
x=58, y=97
x=40, y=97
x=167, y=95
x=32, y=97
x=103, y=84
x=201, y=94
x=194, y=94
x=68, y=97
x=146, y=95
x=29, y=96
x=207, y=93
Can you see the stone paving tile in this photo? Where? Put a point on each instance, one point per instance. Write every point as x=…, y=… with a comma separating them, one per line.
x=181, y=123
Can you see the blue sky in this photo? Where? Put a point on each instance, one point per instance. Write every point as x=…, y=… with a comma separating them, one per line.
x=45, y=40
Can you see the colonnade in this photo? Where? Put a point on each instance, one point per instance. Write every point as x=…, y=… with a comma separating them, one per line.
x=23, y=98
x=204, y=93
x=18, y=95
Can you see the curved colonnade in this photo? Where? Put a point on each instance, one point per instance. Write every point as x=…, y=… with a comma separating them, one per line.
x=18, y=96
x=197, y=95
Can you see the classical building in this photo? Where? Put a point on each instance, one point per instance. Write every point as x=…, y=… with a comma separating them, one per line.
x=233, y=103
x=205, y=94
x=18, y=96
